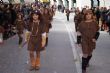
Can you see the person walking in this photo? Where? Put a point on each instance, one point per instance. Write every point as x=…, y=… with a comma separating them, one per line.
x=35, y=41
x=67, y=14
x=108, y=21
x=20, y=25
x=88, y=29
x=47, y=23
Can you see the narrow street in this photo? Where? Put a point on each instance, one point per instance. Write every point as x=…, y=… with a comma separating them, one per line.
x=62, y=55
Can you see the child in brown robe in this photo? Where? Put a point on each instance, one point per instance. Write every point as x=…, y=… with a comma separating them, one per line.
x=36, y=42
x=20, y=24
x=88, y=29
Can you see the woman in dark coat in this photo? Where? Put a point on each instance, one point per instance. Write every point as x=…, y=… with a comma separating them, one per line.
x=36, y=37
x=108, y=21
x=88, y=29
x=1, y=25
x=47, y=22
x=79, y=17
x=20, y=25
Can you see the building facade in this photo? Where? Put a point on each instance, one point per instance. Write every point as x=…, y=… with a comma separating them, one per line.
x=70, y=3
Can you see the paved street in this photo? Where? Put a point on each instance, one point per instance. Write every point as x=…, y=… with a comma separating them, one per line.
x=62, y=54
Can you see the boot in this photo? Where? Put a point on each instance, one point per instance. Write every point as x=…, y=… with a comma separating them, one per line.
x=88, y=59
x=84, y=64
x=37, y=64
x=32, y=61
x=46, y=41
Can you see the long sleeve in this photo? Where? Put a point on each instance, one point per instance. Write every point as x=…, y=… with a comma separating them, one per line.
x=97, y=32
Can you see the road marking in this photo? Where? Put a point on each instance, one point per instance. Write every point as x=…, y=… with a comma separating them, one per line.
x=75, y=54
x=72, y=41
x=78, y=48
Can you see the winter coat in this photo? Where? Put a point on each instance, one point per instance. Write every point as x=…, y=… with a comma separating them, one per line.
x=88, y=31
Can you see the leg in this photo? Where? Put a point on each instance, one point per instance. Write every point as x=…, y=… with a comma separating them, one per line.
x=67, y=17
x=46, y=40
x=20, y=39
x=37, y=60
x=84, y=63
x=108, y=25
x=32, y=60
x=102, y=27
x=88, y=59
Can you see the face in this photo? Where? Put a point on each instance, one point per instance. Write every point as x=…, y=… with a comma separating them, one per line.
x=2, y=6
x=84, y=11
x=35, y=17
x=88, y=16
x=42, y=10
x=77, y=12
x=46, y=11
x=19, y=16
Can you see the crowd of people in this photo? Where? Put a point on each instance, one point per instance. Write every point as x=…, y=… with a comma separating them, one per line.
x=35, y=19
x=8, y=15
x=102, y=16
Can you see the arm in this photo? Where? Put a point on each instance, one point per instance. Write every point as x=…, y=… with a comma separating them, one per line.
x=97, y=33
x=43, y=33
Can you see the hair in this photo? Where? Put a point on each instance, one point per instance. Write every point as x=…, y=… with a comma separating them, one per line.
x=88, y=11
x=19, y=13
x=37, y=13
x=47, y=11
x=83, y=10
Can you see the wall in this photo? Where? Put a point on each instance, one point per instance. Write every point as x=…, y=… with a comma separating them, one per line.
x=107, y=3
x=5, y=0
x=82, y=3
x=102, y=3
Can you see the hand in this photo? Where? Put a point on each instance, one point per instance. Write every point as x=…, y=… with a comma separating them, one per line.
x=94, y=40
x=78, y=33
x=43, y=41
x=27, y=35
